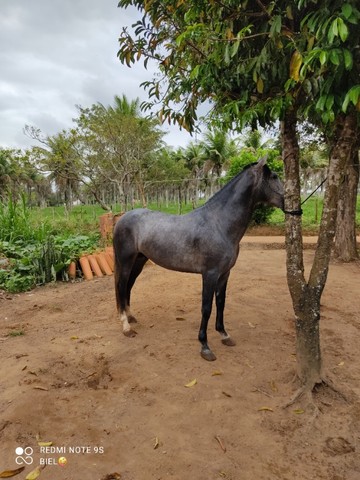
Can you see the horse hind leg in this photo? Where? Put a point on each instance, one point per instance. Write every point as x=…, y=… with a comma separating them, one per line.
x=123, y=268
x=135, y=272
x=125, y=316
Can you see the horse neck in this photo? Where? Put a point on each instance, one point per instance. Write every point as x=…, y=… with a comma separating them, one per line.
x=234, y=205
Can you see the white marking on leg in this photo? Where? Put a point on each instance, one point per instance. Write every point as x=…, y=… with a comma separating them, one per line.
x=224, y=336
x=125, y=322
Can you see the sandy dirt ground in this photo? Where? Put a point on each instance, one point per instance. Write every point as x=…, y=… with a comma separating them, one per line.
x=117, y=407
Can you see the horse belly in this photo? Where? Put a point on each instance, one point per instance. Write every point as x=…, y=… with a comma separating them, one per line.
x=172, y=259
x=173, y=252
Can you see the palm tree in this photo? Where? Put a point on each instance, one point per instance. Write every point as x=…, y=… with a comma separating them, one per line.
x=218, y=148
x=61, y=159
x=125, y=106
x=253, y=139
x=193, y=156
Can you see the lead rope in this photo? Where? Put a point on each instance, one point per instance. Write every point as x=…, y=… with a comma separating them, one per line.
x=300, y=212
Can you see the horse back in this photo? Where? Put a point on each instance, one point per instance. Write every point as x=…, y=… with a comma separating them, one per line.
x=187, y=243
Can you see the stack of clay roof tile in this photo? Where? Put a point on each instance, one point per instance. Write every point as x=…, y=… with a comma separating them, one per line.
x=95, y=265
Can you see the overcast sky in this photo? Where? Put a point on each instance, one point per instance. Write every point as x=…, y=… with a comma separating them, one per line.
x=55, y=54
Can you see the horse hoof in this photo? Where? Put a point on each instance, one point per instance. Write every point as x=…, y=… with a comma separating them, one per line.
x=130, y=333
x=132, y=319
x=228, y=341
x=208, y=355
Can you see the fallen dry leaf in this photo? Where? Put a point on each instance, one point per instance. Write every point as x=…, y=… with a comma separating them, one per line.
x=11, y=473
x=299, y=411
x=156, y=443
x=45, y=444
x=41, y=388
x=218, y=439
x=34, y=474
x=265, y=409
x=216, y=372
x=191, y=384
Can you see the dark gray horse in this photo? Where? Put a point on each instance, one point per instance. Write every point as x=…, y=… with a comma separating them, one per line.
x=204, y=241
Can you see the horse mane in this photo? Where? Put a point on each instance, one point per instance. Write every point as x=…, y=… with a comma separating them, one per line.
x=229, y=185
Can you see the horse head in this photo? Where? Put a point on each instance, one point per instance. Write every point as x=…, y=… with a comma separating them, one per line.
x=270, y=188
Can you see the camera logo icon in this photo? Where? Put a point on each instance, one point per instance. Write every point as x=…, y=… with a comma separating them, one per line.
x=24, y=455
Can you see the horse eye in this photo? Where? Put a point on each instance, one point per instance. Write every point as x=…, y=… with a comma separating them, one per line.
x=274, y=176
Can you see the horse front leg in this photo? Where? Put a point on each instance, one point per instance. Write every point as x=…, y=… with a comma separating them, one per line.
x=209, y=285
x=220, y=296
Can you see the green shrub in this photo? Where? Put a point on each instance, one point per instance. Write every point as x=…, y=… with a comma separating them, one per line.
x=36, y=254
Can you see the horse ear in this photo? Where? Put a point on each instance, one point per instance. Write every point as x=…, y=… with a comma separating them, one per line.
x=262, y=162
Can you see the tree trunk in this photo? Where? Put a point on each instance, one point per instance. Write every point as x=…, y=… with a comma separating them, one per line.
x=345, y=248
x=68, y=195
x=97, y=197
x=305, y=303
x=306, y=295
x=308, y=354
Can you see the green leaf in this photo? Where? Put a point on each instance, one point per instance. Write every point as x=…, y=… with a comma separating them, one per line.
x=235, y=48
x=276, y=25
x=179, y=39
x=329, y=102
x=346, y=10
x=289, y=84
x=334, y=27
x=331, y=34
x=334, y=57
x=348, y=59
x=195, y=72
x=227, y=55
x=323, y=57
x=320, y=104
x=325, y=117
x=343, y=29
x=345, y=102
x=307, y=86
x=354, y=94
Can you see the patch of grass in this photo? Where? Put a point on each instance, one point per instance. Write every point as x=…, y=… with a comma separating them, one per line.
x=16, y=333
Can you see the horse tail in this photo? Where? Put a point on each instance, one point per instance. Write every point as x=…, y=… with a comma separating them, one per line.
x=117, y=264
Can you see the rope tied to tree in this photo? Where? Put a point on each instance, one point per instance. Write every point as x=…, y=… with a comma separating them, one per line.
x=300, y=211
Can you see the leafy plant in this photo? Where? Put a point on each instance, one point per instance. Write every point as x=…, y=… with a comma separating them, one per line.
x=36, y=256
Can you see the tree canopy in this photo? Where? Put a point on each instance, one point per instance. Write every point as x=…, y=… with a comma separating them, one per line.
x=251, y=60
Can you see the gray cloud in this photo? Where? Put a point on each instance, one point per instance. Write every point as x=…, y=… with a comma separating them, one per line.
x=56, y=54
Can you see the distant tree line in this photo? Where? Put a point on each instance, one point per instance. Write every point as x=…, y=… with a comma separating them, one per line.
x=113, y=155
